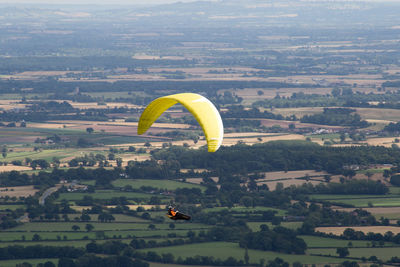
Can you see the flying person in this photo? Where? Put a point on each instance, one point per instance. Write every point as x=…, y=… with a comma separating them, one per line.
x=176, y=215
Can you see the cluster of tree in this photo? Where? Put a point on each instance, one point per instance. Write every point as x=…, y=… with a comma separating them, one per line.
x=276, y=156
x=279, y=239
x=37, y=116
x=336, y=116
x=49, y=106
x=392, y=127
x=339, y=97
x=153, y=88
x=351, y=234
x=8, y=221
x=353, y=187
x=228, y=98
x=315, y=216
x=245, y=124
x=48, y=211
x=102, y=176
x=395, y=179
x=92, y=160
x=238, y=111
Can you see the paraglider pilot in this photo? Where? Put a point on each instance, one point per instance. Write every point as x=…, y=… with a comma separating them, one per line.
x=176, y=215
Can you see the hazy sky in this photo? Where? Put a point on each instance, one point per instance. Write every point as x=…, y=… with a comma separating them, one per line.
x=137, y=2
x=102, y=2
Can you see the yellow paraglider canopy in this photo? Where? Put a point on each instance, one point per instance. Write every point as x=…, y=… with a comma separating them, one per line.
x=201, y=108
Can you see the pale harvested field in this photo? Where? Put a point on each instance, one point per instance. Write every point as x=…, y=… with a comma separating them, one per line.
x=203, y=71
x=360, y=176
x=299, y=112
x=128, y=158
x=12, y=105
x=340, y=145
x=251, y=94
x=199, y=180
x=18, y=191
x=383, y=141
x=285, y=124
x=365, y=229
x=9, y=168
x=290, y=174
x=144, y=56
x=225, y=142
x=146, y=207
x=371, y=114
x=45, y=73
x=379, y=114
x=51, y=125
x=379, y=121
x=81, y=208
x=254, y=140
x=93, y=105
x=123, y=123
x=249, y=134
x=194, y=170
x=27, y=75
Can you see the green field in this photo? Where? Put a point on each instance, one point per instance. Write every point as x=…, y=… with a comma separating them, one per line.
x=77, y=239
x=161, y=184
x=105, y=194
x=88, y=182
x=11, y=207
x=376, y=202
x=395, y=190
x=223, y=250
x=34, y=262
x=118, y=218
x=323, y=242
x=245, y=209
x=98, y=226
x=385, y=253
x=389, y=200
x=255, y=226
x=48, y=154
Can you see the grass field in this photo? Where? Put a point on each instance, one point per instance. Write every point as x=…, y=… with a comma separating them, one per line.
x=366, y=229
x=244, y=209
x=71, y=243
x=98, y=226
x=11, y=207
x=323, y=242
x=255, y=226
x=223, y=250
x=161, y=184
x=382, y=253
x=77, y=239
x=34, y=262
x=118, y=218
x=104, y=194
x=376, y=202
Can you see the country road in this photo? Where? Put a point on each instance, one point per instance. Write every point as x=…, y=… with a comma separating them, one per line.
x=47, y=193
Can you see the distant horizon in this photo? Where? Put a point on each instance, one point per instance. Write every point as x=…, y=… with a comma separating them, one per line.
x=92, y=2
x=138, y=2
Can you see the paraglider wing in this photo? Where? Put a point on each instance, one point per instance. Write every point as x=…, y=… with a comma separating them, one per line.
x=201, y=108
x=179, y=216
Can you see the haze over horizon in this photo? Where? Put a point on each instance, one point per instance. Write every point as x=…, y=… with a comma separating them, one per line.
x=138, y=2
